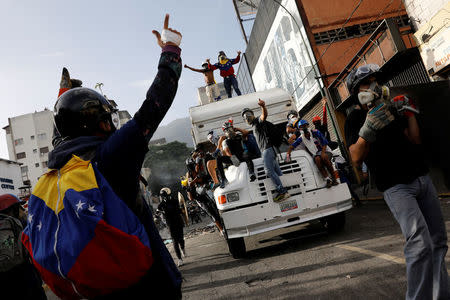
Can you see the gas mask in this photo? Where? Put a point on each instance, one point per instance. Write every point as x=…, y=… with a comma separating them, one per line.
x=372, y=94
x=249, y=117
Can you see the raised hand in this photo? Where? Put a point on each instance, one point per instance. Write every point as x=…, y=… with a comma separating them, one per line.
x=261, y=103
x=239, y=52
x=169, y=36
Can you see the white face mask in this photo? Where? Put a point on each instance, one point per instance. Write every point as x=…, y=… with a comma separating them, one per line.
x=366, y=97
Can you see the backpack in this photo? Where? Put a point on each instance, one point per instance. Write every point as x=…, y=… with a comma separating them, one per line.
x=11, y=249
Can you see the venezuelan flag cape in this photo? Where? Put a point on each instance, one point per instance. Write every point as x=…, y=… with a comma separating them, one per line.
x=83, y=238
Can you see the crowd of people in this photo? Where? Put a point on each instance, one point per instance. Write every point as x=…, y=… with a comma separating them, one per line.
x=90, y=234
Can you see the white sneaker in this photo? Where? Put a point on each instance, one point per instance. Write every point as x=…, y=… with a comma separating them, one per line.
x=180, y=263
x=183, y=253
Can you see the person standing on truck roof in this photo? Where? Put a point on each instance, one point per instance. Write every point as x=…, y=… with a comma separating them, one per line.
x=99, y=166
x=390, y=143
x=267, y=140
x=322, y=126
x=225, y=65
x=212, y=89
x=315, y=144
x=170, y=207
x=235, y=151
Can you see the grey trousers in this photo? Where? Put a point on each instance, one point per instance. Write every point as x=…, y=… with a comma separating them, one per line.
x=416, y=208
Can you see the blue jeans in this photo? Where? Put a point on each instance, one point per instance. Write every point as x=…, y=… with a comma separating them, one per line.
x=228, y=82
x=416, y=208
x=272, y=169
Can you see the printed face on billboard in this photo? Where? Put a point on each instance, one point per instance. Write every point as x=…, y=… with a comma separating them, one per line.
x=285, y=59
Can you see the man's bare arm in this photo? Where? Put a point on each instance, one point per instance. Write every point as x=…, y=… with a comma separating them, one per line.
x=243, y=131
x=194, y=69
x=412, y=132
x=264, y=113
x=359, y=151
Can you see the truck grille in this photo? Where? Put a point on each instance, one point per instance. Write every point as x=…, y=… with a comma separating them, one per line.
x=298, y=168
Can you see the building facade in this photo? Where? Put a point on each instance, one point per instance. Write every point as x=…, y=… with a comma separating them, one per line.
x=10, y=177
x=29, y=140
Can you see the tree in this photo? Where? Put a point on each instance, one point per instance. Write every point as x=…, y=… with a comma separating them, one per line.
x=167, y=165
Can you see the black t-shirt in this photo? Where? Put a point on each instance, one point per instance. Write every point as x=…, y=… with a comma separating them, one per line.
x=392, y=158
x=261, y=134
x=235, y=145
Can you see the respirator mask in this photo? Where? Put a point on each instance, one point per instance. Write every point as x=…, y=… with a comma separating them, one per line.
x=372, y=94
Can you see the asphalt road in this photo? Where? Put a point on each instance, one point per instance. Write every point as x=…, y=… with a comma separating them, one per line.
x=365, y=261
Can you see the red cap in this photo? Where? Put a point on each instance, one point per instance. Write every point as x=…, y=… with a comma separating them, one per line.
x=7, y=200
x=316, y=118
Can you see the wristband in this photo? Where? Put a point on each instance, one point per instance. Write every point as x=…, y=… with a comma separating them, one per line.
x=169, y=36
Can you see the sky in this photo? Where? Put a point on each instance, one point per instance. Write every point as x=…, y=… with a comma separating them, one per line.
x=105, y=41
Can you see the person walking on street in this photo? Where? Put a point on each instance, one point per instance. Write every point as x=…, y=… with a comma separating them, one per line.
x=173, y=215
x=225, y=65
x=18, y=277
x=390, y=143
x=90, y=232
x=267, y=140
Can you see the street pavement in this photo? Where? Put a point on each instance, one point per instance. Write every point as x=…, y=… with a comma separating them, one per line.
x=365, y=261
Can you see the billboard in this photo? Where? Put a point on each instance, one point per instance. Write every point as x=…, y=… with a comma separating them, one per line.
x=287, y=57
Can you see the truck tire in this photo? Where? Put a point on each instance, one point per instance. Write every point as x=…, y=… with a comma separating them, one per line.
x=334, y=223
x=237, y=247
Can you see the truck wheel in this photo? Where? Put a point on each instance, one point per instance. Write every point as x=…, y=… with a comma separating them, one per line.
x=236, y=247
x=334, y=223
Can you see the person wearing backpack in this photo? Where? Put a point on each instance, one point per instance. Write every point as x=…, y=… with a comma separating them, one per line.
x=90, y=231
x=17, y=272
x=268, y=139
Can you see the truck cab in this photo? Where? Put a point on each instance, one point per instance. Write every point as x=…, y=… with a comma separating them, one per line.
x=247, y=208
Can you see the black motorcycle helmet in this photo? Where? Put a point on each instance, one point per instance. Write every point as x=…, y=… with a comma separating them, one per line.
x=79, y=111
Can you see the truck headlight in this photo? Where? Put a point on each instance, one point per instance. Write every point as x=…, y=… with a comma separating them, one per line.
x=232, y=197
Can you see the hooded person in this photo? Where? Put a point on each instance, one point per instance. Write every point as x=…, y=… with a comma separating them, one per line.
x=225, y=65
x=88, y=208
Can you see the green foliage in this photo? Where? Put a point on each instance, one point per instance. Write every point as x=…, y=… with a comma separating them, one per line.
x=167, y=164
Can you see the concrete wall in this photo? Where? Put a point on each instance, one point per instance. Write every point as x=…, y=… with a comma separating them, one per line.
x=421, y=11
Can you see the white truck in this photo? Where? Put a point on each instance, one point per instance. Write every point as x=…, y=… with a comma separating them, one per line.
x=247, y=208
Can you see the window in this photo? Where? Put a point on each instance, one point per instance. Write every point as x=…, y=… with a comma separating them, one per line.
x=34, y=150
x=43, y=150
x=36, y=165
x=24, y=170
x=21, y=155
x=42, y=136
x=18, y=142
x=45, y=164
x=32, y=137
